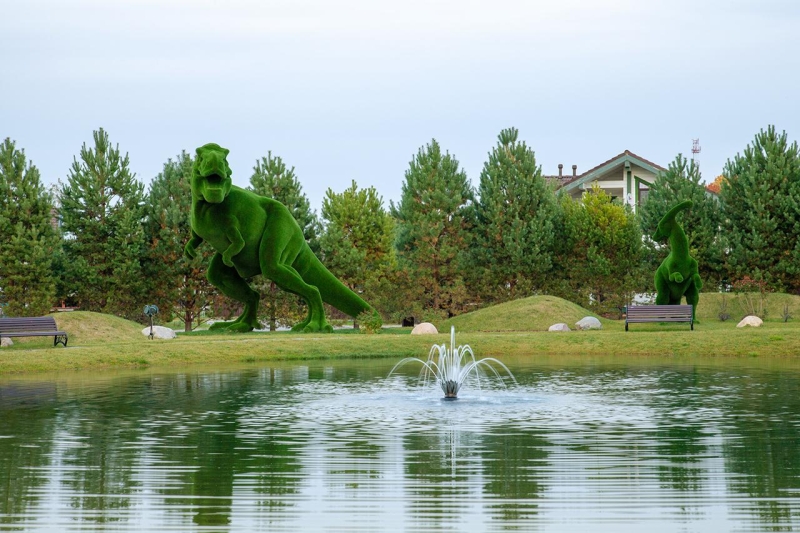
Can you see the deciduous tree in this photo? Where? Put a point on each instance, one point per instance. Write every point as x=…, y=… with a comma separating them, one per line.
x=357, y=240
x=604, y=255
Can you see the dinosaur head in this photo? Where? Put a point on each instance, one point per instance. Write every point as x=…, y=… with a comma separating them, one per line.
x=667, y=222
x=211, y=175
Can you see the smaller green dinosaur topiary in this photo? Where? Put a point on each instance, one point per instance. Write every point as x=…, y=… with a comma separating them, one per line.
x=255, y=235
x=678, y=275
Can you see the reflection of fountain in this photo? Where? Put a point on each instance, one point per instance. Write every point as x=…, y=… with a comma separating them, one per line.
x=452, y=367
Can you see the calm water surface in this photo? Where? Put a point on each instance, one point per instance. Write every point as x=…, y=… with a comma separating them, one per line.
x=576, y=446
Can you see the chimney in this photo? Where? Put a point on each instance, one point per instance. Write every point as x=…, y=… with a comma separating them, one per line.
x=560, y=168
x=574, y=171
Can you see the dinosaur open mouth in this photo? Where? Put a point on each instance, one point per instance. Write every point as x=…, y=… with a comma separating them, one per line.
x=214, y=181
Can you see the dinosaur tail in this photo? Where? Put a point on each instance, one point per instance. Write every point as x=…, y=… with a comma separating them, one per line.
x=333, y=291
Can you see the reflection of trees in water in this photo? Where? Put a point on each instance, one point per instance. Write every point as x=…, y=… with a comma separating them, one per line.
x=762, y=439
x=217, y=444
x=89, y=443
x=27, y=426
x=123, y=437
x=202, y=442
x=451, y=468
x=99, y=461
x=680, y=441
x=514, y=462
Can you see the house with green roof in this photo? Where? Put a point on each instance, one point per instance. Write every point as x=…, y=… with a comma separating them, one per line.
x=626, y=177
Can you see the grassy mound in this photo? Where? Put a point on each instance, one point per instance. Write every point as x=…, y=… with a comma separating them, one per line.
x=535, y=313
x=86, y=327
x=739, y=306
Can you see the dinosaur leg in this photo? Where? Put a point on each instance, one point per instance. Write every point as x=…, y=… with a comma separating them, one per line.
x=662, y=289
x=300, y=326
x=277, y=255
x=227, y=280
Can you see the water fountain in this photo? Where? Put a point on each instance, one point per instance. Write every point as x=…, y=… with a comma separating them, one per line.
x=451, y=367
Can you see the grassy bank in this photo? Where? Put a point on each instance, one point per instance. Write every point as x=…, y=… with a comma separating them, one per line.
x=515, y=330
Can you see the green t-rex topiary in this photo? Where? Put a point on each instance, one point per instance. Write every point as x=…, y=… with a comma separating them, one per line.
x=677, y=276
x=255, y=235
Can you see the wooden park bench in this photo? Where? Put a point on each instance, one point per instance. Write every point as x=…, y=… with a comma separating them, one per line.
x=40, y=326
x=659, y=313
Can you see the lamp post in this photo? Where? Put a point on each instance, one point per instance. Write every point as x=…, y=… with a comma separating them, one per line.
x=150, y=311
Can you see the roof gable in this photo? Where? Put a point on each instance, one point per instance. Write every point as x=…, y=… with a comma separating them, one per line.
x=625, y=157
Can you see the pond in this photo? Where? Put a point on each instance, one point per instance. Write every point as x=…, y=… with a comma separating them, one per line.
x=601, y=445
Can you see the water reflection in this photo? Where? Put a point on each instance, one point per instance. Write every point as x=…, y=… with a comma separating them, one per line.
x=340, y=447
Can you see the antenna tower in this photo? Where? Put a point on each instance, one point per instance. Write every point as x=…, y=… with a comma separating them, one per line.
x=695, y=150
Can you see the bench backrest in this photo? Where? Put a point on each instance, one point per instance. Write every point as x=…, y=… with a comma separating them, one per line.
x=21, y=325
x=665, y=312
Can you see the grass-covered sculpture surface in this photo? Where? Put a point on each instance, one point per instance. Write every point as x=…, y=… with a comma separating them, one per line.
x=256, y=235
x=678, y=275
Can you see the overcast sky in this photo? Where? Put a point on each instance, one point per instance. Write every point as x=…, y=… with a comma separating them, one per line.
x=350, y=90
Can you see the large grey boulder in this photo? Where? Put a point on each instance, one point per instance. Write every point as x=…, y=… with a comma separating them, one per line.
x=751, y=320
x=159, y=332
x=588, y=322
x=5, y=341
x=424, y=328
x=559, y=327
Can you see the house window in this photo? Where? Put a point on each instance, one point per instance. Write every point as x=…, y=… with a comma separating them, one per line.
x=643, y=192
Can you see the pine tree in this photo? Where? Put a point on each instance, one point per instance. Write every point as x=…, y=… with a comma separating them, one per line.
x=272, y=179
x=433, y=224
x=761, y=200
x=176, y=283
x=516, y=222
x=102, y=211
x=357, y=240
x=702, y=223
x=603, y=263
x=28, y=240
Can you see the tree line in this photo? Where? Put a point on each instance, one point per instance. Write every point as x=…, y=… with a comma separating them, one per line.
x=443, y=249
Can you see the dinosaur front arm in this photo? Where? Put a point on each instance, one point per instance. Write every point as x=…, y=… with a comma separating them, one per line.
x=190, y=248
x=237, y=243
x=676, y=276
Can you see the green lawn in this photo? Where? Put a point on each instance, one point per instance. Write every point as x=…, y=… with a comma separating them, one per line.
x=512, y=330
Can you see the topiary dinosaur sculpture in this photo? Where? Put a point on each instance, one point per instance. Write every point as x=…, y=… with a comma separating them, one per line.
x=678, y=275
x=255, y=235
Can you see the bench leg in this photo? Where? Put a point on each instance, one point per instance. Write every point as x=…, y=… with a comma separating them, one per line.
x=60, y=338
x=626, y=326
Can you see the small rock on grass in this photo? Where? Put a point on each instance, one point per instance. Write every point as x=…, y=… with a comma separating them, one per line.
x=159, y=332
x=424, y=328
x=588, y=322
x=751, y=320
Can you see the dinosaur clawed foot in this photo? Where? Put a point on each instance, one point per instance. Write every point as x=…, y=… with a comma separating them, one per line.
x=236, y=326
x=221, y=325
x=313, y=327
x=240, y=327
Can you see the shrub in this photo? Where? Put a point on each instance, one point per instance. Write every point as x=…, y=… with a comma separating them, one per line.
x=369, y=322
